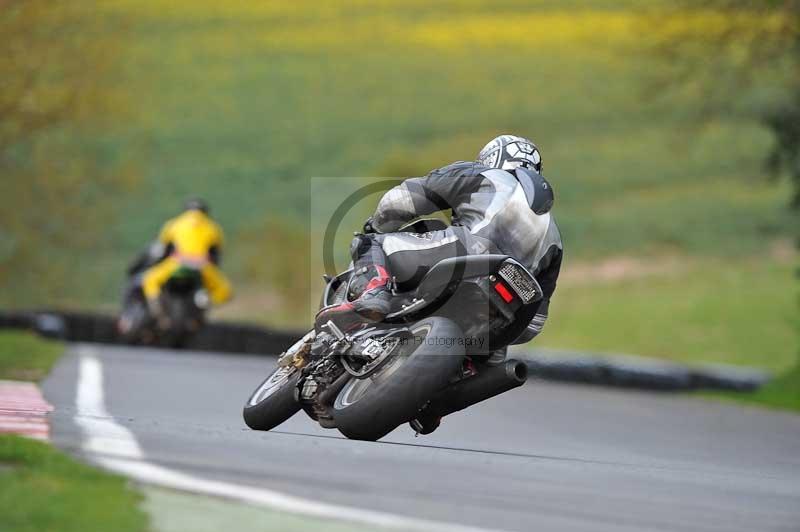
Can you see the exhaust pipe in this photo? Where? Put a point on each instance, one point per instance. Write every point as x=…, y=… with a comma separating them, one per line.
x=492, y=381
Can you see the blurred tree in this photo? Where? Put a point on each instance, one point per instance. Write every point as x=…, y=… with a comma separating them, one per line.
x=56, y=64
x=737, y=56
x=276, y=254
x=741, y=55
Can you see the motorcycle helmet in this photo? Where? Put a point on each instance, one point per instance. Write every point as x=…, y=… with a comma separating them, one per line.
x=196, y=204
x=508, y=152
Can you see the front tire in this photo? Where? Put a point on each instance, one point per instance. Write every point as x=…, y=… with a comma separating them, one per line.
x=370, y=408
x=273, y=402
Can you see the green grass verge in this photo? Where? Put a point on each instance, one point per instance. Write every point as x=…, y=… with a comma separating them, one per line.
x=25, y=356
x=43, y=490
x=243, y=104
x=741, y=313
x=782, y=393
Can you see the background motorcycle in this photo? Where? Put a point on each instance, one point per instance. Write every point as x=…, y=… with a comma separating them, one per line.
x=183, y=302
x=426, y=360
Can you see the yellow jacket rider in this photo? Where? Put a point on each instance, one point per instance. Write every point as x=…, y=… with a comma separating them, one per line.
x=190, y=239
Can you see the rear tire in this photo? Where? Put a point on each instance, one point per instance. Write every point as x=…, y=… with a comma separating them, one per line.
x=370, y=408
x=132, y=321
x=177, y=308
x=272, y=403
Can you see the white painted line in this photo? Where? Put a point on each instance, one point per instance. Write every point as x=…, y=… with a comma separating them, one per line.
x=115, y=447
x=101, y=433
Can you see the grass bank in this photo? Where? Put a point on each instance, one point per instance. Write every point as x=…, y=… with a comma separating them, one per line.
x=687, y=310
x=25, y=356
x=246, y=103
x=43, y=489
x=782, y=393
x=691, y=311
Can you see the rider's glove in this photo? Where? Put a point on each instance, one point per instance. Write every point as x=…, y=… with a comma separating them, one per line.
x=369, y=227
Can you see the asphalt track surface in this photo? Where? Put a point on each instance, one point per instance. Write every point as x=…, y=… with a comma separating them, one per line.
x=542, y=457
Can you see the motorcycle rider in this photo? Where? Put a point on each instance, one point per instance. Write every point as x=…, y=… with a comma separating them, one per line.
x=191, y=238
x=500, y=204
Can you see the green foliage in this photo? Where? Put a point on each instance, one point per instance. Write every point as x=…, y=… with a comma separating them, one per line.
x=58, y=100
x=243, y=104
x=276, y=254
x=42, y=490
x=784, y=121
x=736, y=56
x=742, y=57
x=25, y=356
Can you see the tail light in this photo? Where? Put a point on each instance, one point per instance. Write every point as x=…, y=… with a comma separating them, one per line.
x=520, y=281
x=504, y=292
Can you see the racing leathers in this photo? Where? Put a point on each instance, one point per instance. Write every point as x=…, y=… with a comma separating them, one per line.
x=493, y=211
x=191, y=239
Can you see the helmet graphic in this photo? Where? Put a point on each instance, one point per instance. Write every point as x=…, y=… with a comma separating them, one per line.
x=510, y=151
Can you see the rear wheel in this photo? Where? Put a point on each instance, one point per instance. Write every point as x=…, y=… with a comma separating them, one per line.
x=274, y=401
x=185, y=319
x=133, y=320
x=370, y=408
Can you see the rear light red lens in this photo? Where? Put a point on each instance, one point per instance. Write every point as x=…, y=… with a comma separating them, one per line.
x=501, y=289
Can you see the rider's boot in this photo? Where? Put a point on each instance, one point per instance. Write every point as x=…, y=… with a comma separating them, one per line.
x=372, y=305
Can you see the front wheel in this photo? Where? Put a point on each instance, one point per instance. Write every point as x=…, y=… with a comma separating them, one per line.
x=274, y=401
x=422, y=364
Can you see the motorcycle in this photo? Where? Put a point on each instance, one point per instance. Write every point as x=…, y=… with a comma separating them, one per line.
x=427, y=359
x=183, y=303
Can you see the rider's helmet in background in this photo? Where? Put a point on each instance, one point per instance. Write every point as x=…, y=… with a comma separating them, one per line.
x=508, y=152
x=196, y=204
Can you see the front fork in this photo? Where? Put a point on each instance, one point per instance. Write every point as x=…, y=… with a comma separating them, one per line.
x=297, y=354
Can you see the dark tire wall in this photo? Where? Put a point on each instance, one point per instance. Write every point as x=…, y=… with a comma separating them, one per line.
x=248, y=338
x=218, y=337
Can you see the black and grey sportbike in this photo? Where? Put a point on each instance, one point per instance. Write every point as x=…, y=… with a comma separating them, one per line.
x=430, y=357
x=183, y=303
